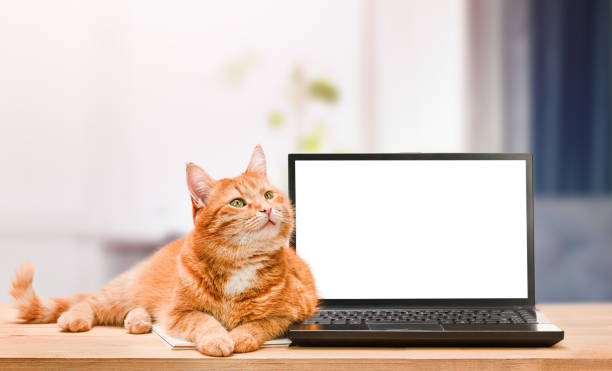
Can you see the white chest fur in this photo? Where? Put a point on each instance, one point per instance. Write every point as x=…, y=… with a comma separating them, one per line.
x=241, y=279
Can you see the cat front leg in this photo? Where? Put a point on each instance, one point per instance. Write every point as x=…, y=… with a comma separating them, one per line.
x=250, y=336
x=209, y=336
x=138, y=321
x=80, y=317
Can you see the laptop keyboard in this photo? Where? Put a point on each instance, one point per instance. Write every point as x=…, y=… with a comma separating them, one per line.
x=424, y=316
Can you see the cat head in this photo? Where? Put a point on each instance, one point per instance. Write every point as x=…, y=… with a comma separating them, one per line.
x=245, y=214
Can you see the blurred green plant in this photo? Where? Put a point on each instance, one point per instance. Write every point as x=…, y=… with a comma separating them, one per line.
x=324, y=90
x=296, y=90
x=276, y=119
x=300, y=91
x=313, y=142
x=236, y=71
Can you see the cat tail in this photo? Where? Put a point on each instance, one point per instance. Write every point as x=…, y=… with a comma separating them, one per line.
x=31, y=308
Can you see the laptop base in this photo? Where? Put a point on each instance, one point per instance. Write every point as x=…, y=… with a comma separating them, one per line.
x=541, y=334
x=486, y=336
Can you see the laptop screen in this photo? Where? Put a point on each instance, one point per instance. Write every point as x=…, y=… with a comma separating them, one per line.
x=413, y=229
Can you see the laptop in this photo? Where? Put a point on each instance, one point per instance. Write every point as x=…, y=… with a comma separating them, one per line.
x=418, y=249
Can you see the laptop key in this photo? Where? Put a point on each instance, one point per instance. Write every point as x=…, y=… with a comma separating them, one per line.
x=368, y=322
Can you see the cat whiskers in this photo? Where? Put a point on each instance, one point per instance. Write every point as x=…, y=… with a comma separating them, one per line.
x=283, y=216
x=256, y=222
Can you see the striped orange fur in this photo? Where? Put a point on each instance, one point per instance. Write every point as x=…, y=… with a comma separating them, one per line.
x=231, y=284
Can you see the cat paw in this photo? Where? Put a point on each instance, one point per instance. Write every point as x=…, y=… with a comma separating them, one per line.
x=73, y=322
x=244, y=342
x=216, y=345
x=137, y=321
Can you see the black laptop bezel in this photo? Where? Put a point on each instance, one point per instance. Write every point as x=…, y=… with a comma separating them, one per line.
x=382, y=303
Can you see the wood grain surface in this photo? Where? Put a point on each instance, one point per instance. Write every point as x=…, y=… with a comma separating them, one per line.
x=587, y=345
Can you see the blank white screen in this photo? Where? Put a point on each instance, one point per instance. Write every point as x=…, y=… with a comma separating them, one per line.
x=413, y=229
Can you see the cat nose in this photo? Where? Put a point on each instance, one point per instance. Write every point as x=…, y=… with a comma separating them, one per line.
x=266, y=210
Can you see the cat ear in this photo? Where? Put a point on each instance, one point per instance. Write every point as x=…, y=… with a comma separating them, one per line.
x=257, y=165
x=199, y=184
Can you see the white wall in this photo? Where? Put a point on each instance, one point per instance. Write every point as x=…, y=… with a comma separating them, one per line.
x=420, y=66
x=103, y=102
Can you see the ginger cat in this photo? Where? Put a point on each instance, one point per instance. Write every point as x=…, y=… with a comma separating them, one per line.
x=230, y=285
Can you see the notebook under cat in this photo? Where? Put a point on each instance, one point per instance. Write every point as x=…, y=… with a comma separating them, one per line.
x=418, y=249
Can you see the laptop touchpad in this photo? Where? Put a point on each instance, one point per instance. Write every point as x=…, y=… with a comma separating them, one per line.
x=404, y=327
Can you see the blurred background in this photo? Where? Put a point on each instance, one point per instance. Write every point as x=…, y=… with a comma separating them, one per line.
x=103, y=102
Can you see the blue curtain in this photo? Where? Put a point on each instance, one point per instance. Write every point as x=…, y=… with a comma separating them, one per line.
x=571, y=63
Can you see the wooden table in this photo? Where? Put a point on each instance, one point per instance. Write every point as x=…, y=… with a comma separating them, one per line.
x=587, y=345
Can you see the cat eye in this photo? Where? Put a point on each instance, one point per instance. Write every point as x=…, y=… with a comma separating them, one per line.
x=268, y=195
x=237, y=202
